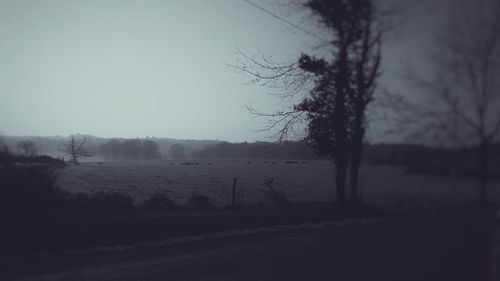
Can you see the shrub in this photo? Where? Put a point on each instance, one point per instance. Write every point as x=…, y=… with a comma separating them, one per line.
x=159, y=202
x=29, y=191
x=105, y=201
x=200, y=202
x=276, y=197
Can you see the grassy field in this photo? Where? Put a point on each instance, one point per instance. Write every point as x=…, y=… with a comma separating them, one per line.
x=301, y=181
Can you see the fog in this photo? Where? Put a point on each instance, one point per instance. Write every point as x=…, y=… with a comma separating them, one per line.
x=155, y=68
x=249, y=140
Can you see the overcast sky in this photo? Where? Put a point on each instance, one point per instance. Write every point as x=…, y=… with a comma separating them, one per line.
x=130, y=68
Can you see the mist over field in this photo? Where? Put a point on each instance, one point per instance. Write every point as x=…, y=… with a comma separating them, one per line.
x=249, y=140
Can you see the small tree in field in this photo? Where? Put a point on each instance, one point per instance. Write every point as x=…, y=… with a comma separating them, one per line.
x=75, y=148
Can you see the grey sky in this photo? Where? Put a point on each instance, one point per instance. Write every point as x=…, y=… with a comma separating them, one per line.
x=130, y=68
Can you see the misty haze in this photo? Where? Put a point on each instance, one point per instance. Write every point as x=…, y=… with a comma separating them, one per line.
x=249, y=140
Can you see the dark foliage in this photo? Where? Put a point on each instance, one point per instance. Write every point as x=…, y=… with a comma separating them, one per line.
x=26, y=148
x=177, y=151
x=200, y=202
x=160, y=202
x=258, y=150
x=109, y=201
x=276, y=197
x=343, y=86
x=150, y=150
x=129, y=150
x=28, y=191
x=7, y=159
x=445, y=162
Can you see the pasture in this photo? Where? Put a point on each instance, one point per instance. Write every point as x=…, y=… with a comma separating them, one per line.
x=301, y=181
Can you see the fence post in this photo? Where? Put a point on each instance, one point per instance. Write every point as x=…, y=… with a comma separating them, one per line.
x=233, y=202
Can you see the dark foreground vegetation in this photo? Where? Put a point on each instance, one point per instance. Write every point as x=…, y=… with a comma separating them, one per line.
x=37, y=216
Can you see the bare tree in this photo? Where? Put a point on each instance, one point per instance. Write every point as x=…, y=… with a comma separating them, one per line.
x=462, y=105
x=75, y=148
x=471, y=58
x=289, y=83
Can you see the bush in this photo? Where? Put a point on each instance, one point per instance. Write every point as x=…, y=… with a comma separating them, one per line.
x=29, y=191
x=276, y=197
x=200, y=202
x=104, y=201
x=159, y=202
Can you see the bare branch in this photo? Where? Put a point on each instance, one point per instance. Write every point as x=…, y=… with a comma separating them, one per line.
x=75, y=148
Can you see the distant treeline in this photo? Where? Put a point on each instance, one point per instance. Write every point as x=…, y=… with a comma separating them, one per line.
x=421, y=159
x=416, y=158
x=129, y=150
x=52, y=145
x=257, y=150
x=392, y=154
x=462, y=163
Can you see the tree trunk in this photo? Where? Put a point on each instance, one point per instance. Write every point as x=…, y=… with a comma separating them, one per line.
x=340, y=120
x=355, y=164
x=340, y=180
x=357, y=152
x=483, y=171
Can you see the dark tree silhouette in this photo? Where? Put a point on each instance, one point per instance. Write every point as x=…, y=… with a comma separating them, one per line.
x=342, y=86
x=150, y=150
x=131, y=149
x=27, y=148
x=75, y=148
x=176, y=151
x=112, y=149
x=367, y=55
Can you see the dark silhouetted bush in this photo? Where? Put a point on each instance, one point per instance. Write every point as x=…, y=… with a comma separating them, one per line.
x=160, y=202
x=276, y=197
x=106, y=201
x=29, y=191
x=200, y=202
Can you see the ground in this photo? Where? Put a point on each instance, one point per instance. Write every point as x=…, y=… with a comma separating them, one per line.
x=453, y=244
x=449, y=244
x=301, y=181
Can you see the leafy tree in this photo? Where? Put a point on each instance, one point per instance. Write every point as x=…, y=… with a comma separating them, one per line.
x=343, y=86
x=176, y=151
x=150, y=150
x=112, y=150
x=131, y=149
x=27, y=148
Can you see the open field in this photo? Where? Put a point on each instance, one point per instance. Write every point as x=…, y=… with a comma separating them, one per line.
x=300, y=181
